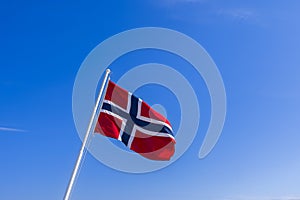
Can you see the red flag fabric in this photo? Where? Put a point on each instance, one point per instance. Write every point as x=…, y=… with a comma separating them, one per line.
x=129, y=119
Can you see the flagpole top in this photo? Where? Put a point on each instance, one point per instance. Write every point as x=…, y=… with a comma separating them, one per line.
x=108, y=71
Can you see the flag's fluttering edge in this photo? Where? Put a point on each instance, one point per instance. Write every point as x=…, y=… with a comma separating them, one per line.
x=129, y=119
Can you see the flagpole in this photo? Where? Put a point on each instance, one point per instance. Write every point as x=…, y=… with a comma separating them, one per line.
x=79, y=159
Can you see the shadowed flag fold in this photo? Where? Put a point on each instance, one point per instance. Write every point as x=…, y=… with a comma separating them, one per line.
x=129, y=119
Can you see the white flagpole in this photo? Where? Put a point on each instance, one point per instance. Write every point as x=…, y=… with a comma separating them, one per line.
x=79, y=159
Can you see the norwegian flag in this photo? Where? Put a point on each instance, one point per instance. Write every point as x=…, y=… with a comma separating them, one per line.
x=132, y=121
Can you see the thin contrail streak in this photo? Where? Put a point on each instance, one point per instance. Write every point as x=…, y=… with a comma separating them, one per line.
x=11, y=129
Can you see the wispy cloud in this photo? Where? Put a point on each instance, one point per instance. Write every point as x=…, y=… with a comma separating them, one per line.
x=9, y=129
x=182, y=1
x=170, y=3
x=204, y=11
x=263, y=198
x=238, y=13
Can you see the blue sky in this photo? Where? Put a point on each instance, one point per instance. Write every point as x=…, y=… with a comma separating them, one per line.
x=256, y=47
